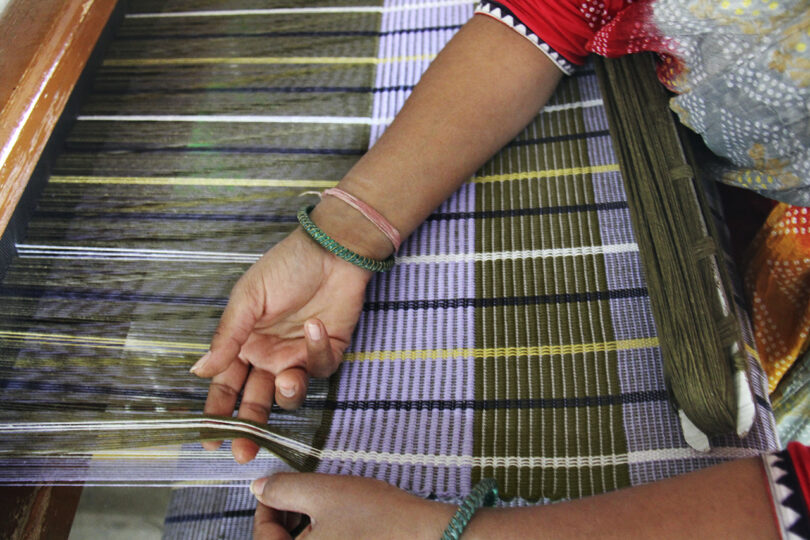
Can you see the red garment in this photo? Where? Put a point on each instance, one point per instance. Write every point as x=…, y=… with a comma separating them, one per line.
x=800, y=455
x=609, y=28
x=787, y=474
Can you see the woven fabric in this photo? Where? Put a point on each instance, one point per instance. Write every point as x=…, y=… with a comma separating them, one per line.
x=513, y=339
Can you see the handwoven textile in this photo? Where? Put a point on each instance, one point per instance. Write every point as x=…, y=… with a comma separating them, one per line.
x=513, y=339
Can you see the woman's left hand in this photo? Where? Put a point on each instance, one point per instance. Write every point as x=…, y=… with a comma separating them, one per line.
x=343, y=507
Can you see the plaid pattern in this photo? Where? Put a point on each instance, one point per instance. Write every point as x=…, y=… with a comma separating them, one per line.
x=513, y=339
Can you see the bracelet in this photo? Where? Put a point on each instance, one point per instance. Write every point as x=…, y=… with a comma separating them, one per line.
x=485, y=493
x=341, y=251
x=370, y=214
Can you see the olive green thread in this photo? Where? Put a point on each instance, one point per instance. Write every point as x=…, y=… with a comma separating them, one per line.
x=333, y=247
x=675, y=234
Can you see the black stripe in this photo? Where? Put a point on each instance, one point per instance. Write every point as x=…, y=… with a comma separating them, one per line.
x=270, y=218
x=34, y=292
x=251, y=90
x=246, y=90
x=762, y=402
x=376, y=405
x=486, y=405
x=184, y=518
x=309, y=33
x=491, y=214
x=145, y=148
x=560, y=138
x=454, y=303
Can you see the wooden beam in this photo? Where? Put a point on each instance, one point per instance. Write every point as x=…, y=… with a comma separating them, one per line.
x=45, y=46
x=38, y=512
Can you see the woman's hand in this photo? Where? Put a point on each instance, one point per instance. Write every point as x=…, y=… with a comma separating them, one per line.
x=343, y=507
x=289, y=317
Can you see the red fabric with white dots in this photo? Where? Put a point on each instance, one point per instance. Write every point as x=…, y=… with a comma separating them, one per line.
x=612, y=28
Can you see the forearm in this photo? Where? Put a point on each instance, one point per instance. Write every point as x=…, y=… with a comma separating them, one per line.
x=478, y=93
x=728, y=501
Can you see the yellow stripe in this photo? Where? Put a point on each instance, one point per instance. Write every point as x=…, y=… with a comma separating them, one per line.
x=191, y=181
x=99, y=342
x=752, y=351
x=132, y=62
x=304, y=183
x=425, y=354
x=533, y=175
x=500, y=352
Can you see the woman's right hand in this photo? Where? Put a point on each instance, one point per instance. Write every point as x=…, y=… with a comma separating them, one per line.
x=289, y=317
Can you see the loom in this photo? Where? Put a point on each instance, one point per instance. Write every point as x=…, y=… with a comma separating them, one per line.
x=515, y=338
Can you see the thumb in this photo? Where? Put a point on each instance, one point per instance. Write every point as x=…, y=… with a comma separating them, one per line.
x=293, y=492
x=235, y=325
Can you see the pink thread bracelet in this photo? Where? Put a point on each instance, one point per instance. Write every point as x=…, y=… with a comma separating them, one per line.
x=372, y=215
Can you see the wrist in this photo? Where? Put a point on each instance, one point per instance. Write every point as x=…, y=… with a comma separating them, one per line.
x=351, y=229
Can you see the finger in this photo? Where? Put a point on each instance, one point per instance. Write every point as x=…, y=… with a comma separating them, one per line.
x=223, y=393
x=268, y=524
x=291, y=388
x=257, y=398
x=244, y=308
x=299, y=492
x=321, y=359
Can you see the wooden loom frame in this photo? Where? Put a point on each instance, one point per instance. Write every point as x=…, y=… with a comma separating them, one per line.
x=46, y=46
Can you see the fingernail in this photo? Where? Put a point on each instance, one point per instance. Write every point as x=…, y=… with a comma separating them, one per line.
x=200, y=363
x=287, y=391
x=314, y=331
x=257, y=486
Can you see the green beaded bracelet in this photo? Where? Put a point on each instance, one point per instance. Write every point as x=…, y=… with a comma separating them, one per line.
x=341, y=251
x=485, y=493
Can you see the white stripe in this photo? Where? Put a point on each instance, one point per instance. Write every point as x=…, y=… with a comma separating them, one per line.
x=81, y=253
x=29, y=251
x=666, y=454
x=234, y=119
x=170, y=424
x=128, y=250
x=264, y=119
x=91, y=257
x=574, y=105
x=678, y=454
x=473, y=461
x=30, y=248
x=300, y=11
x=517, y=255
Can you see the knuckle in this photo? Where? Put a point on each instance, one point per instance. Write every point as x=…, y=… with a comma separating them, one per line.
x=255, y=409
x=225, y=389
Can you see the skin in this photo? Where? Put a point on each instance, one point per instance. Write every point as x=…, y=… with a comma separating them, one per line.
x=292, y=314
x=261, y=345
x=726, y=501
